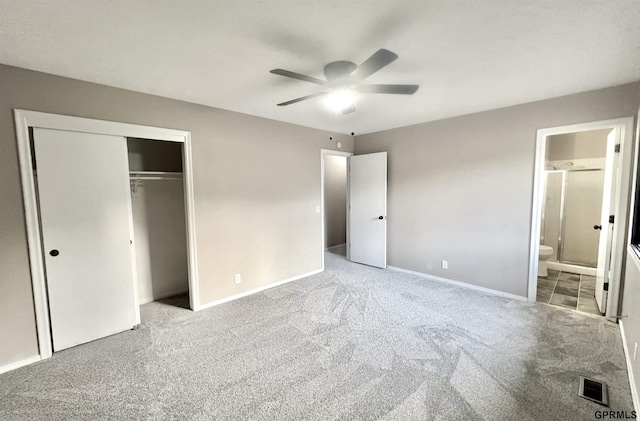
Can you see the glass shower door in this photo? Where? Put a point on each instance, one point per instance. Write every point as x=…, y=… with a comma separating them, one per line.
x=583, y=208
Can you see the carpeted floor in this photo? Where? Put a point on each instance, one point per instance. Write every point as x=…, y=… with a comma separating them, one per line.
x=350, y=343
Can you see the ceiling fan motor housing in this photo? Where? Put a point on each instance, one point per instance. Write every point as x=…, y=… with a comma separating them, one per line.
x=339, y=71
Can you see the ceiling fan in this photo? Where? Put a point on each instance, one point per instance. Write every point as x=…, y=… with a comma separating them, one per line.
x=344, y=79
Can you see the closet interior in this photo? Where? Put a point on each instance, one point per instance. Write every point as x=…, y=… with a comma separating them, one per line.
x=158, y=211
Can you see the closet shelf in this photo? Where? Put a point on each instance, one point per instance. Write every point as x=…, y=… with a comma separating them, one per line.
x=154, y=175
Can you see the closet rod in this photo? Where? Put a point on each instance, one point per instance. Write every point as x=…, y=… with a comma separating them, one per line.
x=154, y=175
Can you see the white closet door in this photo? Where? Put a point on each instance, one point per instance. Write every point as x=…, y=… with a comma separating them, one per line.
x=85, y=208
x=368, y=209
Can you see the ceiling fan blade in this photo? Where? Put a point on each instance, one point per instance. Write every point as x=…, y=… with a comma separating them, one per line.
x=388, y=89
x=293, y=101
x=298, y=76
x=377, y=61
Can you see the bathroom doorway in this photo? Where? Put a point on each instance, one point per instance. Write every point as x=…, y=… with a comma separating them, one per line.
x=335, y=191
x=578, y=194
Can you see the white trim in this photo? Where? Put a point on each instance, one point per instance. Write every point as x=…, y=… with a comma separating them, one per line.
x=259, y=289
x=161, y=296
x=89, y=125
x=566, y=267
x=25, y=119
x=627, y=357
x=36, y=261
x=459, y=284
x=335, y=247
x=18, y=364
x=324, y=152
x=620, y=209
x=190, y=220
x=132, y=249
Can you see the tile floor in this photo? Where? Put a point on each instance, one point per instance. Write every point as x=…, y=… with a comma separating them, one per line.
x=568, y=290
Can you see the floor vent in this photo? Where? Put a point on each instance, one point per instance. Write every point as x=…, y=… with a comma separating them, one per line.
x=594, y=391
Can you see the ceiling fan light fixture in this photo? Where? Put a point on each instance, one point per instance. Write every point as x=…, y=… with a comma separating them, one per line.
x=340, y=99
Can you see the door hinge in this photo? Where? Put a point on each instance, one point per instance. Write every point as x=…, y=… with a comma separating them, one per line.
x=612, y=219
x=617, y=148
x=605, y=287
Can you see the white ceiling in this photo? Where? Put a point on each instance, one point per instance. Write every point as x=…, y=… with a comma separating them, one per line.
x=467, y=56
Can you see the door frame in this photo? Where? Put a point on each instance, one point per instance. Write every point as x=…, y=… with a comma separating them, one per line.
x=620, y=206
x=25, y=119
x=324, y=152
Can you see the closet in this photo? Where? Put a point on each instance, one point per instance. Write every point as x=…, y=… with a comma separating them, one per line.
x=106, y=216
x=158, y=212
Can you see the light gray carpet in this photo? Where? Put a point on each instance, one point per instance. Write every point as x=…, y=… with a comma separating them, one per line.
x=353, y=342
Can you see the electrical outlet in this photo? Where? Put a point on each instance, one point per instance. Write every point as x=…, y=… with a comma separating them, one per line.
x=635, y=351
x=445, y=264
x=317, y=209
x=238, y=278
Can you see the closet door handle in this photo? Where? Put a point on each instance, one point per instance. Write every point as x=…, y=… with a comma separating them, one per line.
x=597, y=227
x=54, y=252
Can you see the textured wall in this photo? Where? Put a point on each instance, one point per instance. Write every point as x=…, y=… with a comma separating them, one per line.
x=460, y=189
x=256, y=182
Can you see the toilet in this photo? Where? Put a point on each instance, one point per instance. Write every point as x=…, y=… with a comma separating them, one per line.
x=545, y=253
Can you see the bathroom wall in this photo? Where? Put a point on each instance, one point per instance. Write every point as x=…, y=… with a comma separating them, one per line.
x=581, y=145
x=335, y=200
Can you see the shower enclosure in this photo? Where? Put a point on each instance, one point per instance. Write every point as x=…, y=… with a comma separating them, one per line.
x=572, y=208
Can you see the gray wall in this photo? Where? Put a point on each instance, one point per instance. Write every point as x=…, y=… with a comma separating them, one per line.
x=256, y=181
x=335, y=200
x=460, y=189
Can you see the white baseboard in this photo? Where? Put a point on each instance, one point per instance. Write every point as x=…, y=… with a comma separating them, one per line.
x=162, y=296
x=632, y=382
x=336, y=246
x=566, y=267
x=18, y=364
x=253, y=291
x=460, y=284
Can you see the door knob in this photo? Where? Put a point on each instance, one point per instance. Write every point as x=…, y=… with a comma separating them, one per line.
x=54, y=252
x=597, y=227
x=381, y=217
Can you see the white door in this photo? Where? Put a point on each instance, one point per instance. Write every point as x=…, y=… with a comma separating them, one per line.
x=84, y=198
x=368, y=209
x=606, y=231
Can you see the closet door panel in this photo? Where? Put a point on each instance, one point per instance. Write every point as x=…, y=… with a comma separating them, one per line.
x=85, y=208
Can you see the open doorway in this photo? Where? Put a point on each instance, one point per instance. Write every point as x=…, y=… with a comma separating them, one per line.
x=577, y=166
x=334, y=188
x=579, y=215
x=159, y=225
